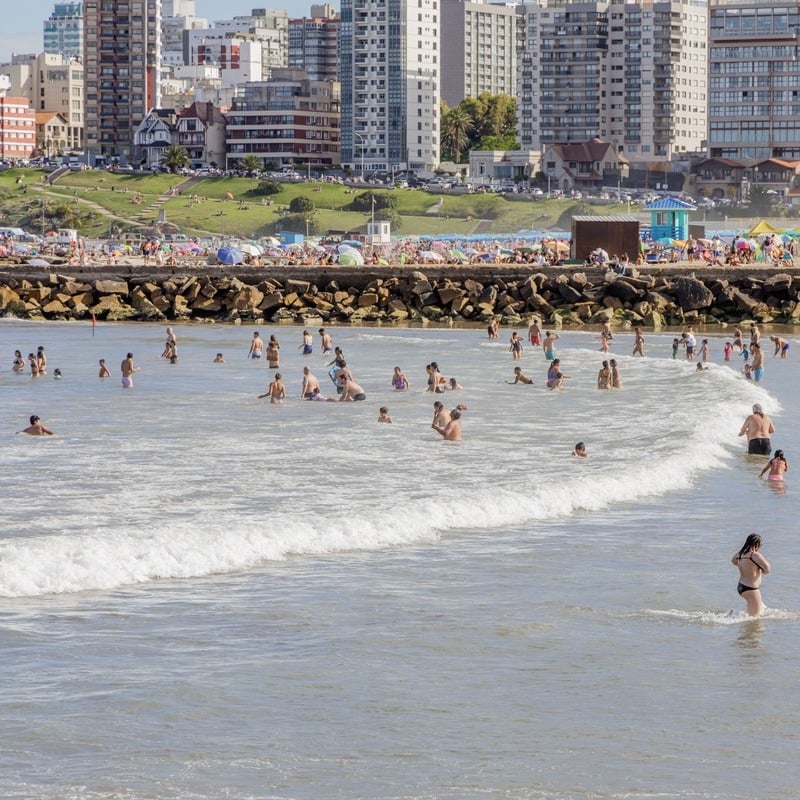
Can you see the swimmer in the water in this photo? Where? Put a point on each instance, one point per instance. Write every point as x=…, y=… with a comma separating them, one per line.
x=777, y=467
x=752, y=566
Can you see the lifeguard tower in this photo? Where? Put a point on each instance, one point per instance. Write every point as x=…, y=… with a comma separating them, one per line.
x=669, y=218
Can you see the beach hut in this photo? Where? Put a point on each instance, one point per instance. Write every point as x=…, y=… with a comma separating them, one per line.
x=617, y=234
x=669, y=217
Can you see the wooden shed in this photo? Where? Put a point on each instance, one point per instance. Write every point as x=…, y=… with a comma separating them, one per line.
x=616, y=234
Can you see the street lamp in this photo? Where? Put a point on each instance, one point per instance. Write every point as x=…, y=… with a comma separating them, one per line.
x=363, y=145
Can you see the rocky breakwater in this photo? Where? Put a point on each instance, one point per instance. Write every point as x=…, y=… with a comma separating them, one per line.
x=559, y=298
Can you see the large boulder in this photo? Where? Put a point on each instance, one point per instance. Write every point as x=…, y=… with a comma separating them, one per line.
x=8, y=295
x=692, y=294
x=111, y=287
x=569, y=293
x=624, y=290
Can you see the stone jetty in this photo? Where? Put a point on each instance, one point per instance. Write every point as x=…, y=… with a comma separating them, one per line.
x=559, y=296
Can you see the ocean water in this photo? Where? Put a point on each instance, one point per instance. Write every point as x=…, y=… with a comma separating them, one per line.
x=203, y=595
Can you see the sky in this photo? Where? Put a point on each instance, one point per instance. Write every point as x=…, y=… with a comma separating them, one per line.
x=21, y=24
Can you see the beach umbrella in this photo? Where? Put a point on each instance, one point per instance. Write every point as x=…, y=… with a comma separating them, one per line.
x=229, y=195
x=470, y=251
x=352, y=243
x=229, y=255
x=270, y=241
x=351, y=258
x=431, y=255
x=251, y=250
x=458, y=255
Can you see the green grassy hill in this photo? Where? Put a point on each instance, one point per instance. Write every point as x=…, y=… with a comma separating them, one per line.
x=95, y=202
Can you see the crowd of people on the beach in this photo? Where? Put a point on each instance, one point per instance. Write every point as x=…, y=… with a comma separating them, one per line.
x=447, y=422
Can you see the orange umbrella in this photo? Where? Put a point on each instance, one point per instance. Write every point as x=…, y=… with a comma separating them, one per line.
x=229, y=195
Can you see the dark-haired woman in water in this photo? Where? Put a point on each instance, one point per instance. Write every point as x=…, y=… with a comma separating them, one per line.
x=752, y=566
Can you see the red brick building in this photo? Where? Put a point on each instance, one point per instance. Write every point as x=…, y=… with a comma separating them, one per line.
x=17, y=128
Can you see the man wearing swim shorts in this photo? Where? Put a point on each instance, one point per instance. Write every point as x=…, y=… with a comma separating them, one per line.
x=690, y=342
x=127, y=368
x=256, y=346
x=758, y=427
x=351, y=390
x=534, y=333
x=758, y=362
x=310, y=383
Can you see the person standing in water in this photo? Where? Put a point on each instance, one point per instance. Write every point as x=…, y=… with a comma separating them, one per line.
x=758, y=427
x=752, y=566
x=777, y=467
x=256, y=346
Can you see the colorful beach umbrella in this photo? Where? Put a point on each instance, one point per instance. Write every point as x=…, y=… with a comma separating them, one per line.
x=229, y=256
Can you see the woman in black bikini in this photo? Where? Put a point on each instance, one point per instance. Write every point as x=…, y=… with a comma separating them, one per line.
x=752, y=565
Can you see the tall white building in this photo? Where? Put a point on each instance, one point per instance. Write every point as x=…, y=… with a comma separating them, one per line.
x=269, y=28
x=239, y=57
x=390, y=72
x=63, y=30
x=479, y=48
x=178, y=17
x=633, y=73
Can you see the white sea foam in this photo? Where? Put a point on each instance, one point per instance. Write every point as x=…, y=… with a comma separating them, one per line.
x=731, y=617
x=200, y=480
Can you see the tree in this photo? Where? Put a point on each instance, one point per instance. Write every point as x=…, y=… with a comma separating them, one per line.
x=487, y=122
x=390, y=215
x=300, y=205
x=268, y=187
x=250, y=164
x=175, y=158
x=456, y=126
x=297, y=223
x=760, y=201
x=367, y=201
x=506, y=142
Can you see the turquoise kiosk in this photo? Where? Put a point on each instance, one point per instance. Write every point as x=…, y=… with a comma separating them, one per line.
x=669, y=218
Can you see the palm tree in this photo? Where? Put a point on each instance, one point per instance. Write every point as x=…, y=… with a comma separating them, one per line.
x=456, y=125
x=250, y=164
x=175, y=158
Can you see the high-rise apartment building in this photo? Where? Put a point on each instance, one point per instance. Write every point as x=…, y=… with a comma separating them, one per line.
x=269, y=29
x=390, y=72
x=63, y=31
x=634, y=73
x=177, y=17
x=479, y=48
x=289, y=119
x=314, y=44
x=754, y=80
x=660, y=47
x=122, y=55
x=239, y=57
x=51, y=83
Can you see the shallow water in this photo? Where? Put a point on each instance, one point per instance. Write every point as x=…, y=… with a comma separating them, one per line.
x=203, y=595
